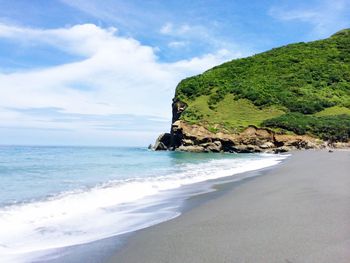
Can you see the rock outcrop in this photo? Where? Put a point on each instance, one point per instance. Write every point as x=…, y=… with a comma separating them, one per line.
x=163, y=142
x=196, y=138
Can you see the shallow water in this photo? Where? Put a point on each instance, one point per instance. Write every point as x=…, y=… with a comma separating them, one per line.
x=55, y=197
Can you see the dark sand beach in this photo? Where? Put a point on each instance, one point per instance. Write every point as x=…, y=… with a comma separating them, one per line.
x=297, y=212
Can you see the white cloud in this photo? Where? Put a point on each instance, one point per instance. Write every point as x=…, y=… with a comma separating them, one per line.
x=184, y=31
x=122, y=13
x=177, y=44
x=117, y=75
x=198, y=37
x=326, y=18
x=205, y=62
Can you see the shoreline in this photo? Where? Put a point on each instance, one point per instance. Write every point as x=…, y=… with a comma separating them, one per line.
x=176, y=201
x=296, y=212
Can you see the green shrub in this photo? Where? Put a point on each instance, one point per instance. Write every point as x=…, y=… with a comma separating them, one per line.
x=333, y=128
x=192, y=115
x=303, y=77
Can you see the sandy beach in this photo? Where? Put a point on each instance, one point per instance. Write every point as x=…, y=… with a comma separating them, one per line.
x=298, y=211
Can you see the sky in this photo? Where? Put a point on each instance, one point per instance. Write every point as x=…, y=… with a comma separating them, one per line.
x=92, y=72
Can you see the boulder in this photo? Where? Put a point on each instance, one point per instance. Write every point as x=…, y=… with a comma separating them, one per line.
x=215, y=146
x=194, y=148
x=267, y=145
x=243, y=148
x=187, y=142
x=163, y=142
x=282, y=149
x=159, y=146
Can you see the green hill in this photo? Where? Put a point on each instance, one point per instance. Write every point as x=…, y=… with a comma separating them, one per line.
x=302, y=88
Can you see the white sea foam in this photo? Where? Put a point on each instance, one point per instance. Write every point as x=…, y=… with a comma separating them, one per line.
x=111, y=209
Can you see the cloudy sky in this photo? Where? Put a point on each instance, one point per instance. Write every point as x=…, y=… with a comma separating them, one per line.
x=92, y=72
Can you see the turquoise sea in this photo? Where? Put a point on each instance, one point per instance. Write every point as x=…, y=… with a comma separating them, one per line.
x=57, y=197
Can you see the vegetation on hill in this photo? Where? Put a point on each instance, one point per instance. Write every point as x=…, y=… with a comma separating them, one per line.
x=332, y=128
x=288, y=85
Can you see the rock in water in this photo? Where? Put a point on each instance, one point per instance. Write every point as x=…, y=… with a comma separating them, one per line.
x=163, y=142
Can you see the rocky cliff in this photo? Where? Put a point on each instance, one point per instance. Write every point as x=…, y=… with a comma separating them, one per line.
x=196, y=138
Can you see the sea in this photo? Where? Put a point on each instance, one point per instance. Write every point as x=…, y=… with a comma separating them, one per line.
x=54, y=201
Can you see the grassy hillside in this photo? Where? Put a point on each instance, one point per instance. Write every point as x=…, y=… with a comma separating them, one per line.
x=303, y=84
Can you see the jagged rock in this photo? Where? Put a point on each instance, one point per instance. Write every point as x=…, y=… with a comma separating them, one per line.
x=242, y=148
x=317, y=144
x=267, y=145
x=282, y=149
x=298, y=141
x=340, y=145
x=178, y=107
x=160, y=147
x=195, y=138
x=194, y=148
x=163, y=142
x=187, y=142
x=254, y=148
x=215, y=146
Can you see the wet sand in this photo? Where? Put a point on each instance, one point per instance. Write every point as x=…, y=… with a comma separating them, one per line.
x=298, y=211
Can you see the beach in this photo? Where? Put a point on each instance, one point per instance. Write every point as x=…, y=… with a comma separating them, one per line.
x=298, y=211
x=74, y=204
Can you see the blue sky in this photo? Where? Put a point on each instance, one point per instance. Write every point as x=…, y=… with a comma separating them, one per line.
x=88, y=72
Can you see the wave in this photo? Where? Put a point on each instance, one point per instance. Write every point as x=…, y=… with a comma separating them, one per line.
x=110, y=209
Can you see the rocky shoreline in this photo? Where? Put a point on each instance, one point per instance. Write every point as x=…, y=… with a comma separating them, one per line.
x=195, y=138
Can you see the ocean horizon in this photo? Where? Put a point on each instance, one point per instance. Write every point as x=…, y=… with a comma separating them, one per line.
x=55, y=197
